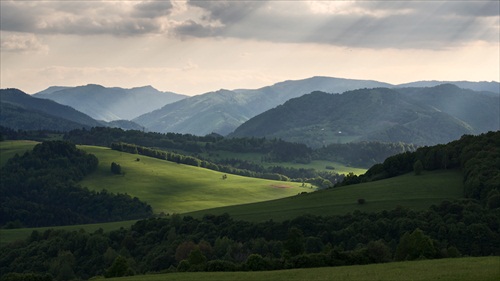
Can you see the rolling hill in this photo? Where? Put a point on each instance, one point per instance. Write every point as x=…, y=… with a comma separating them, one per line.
x=109, y=104
x=22, y=111
x=167, y=186
x=423, y=116
x=175, y=188
x=409, y=191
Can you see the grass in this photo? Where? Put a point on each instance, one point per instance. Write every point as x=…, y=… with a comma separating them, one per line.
x=319, y=165
x=414, y=192
x=9, y=148
x=11, y=235
x=460, y=269
x=175, y=188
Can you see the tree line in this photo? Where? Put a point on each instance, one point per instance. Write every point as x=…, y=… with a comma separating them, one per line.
x=39, y=189
x=220, y=243
x=362, y=154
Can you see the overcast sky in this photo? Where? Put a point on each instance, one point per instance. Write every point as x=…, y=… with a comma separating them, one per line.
x=193, y=47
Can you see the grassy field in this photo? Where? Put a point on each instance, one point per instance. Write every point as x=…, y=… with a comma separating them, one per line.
x=9, y=148
x=415, y=192
x=175, y=188
x=460, y=269
x=11, y=235
x=319, y=165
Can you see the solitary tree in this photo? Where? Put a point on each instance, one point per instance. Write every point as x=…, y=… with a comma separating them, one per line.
x=116, y=168
x=418, y=167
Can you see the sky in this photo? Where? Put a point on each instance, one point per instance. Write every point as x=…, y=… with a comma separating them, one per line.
x=194, y=47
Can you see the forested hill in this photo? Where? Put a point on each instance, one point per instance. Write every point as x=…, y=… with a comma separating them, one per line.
x=423, y=117
x=22, y=111
x=477, y=156
x=38, y=189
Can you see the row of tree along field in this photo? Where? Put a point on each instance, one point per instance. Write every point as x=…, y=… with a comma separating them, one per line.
x=318, y=178
x=219, y=243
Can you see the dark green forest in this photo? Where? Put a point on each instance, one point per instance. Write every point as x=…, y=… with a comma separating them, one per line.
x=219, y=243
x=39, y=189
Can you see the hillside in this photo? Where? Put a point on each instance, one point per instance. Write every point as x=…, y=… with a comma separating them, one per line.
x=222, y=111
x=218, y=112
x=429, y=116
x=22, y=111
x=408, y=191
x=461, y=269
x=175, y=188
x=109, y=104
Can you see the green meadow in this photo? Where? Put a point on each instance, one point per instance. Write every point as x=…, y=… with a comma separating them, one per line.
x=11, y=235
x=175, y=188
x=319, y=165
x=9, y=148
x=410, y=191
x=459, y=269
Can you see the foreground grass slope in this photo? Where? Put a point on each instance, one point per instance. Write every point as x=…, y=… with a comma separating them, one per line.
x=175, y=188
x=482, y=268
x=410, y=191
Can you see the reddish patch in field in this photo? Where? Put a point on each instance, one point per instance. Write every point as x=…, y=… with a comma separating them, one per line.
x=281, y=186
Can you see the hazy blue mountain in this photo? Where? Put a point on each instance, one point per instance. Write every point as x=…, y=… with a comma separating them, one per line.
x=51, y=90
x=477, y=109
x=492, y=87
x=381, y=114
x=124, y=124
x=22, y=111
x=110, y=104
x=219, y=111
x=223, y=111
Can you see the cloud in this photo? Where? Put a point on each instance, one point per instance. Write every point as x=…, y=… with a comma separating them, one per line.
x=152, y=9
x=120, y=18
x=366, y=24
x=362, y=24
x=22, y=43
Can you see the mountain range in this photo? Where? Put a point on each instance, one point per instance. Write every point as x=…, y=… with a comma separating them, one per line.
x=110, y=104
x=223, y=111
x=421, y=116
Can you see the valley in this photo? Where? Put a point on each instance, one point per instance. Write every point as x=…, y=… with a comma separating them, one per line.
x=322, y=180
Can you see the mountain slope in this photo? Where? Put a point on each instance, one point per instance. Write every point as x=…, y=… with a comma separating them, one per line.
x=475, y=108
x=491, y=87
x=110, y=104
x=222, y=111
x=378, y=114
x=22, y=111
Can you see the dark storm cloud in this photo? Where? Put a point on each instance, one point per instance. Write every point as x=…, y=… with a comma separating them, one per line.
x=153, y=9
x=84, y=17
x=371, y=24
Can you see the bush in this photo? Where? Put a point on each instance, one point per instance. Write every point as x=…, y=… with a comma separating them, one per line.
x=361, y=201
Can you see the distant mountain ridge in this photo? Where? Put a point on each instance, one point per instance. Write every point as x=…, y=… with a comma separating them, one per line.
x=422, y=116
x=22, y=111
x=110, y=104
x=224, y=110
